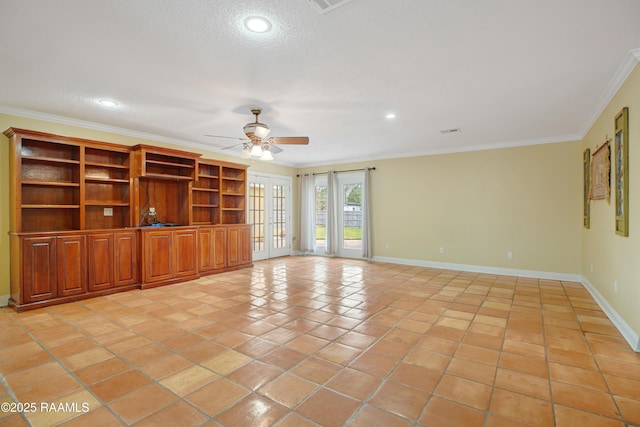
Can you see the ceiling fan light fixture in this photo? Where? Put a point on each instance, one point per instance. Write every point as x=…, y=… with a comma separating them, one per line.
x=266, y=154
x=246, y=152
x=256, y=151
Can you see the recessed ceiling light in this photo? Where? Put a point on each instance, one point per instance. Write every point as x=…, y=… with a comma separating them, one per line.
x=391, y=116
x=107, y=103
x=257, y=24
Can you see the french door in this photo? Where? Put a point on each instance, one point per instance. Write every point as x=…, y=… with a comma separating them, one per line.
x=350, y=214
x=270, y=215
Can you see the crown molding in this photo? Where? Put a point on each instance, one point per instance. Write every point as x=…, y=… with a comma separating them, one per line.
x=470, y=148
x=629, y=62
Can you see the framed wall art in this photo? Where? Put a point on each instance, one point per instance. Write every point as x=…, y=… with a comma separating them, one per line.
x=600, y=171
x=621, y=142
x=586, y=182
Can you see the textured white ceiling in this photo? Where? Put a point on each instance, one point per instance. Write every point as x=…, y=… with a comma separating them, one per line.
x=507, y=72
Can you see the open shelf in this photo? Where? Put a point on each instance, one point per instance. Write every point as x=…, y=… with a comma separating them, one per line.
x=51, y=183
x=210, y=190
x=232, y=173
x=105, y=203
x=168, y=176
x=49, y=151
x=77, y=178
x=106, y=165
x=49, y=160
x=162, y=163
x=169, y=164
x=106, y=180
x=43, y=206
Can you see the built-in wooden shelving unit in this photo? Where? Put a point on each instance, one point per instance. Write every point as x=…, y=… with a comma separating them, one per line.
x=81, y=223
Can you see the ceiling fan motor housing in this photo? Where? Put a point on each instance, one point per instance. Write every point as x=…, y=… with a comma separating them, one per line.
x=256, y=129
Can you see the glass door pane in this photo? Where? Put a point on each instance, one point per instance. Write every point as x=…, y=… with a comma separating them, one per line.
x=279, y=214
x=257, y=218
x=352, y=216
x=279, y=220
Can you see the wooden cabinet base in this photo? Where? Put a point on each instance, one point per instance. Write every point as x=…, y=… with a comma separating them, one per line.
x=173, y=255
x=63, y=300
x=61, y=267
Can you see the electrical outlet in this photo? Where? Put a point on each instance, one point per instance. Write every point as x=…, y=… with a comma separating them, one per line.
x=108, y=211
x=509, y=255
x=441, y=249
x=152, y=211
x=387, y=246
x=615, y=286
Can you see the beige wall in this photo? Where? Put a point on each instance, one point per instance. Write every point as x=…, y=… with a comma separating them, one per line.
x=7, y=121
x=612, y=257
x=479, y=206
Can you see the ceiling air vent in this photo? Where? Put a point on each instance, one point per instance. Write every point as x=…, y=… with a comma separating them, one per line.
x=453, y=130
x=324, y=6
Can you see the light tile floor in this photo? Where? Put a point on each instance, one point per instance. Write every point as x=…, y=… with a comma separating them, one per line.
x=307, y=341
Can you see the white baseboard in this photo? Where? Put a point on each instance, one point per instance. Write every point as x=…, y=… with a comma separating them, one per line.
x=627, y=332
x=4, y=300
x=481, y=269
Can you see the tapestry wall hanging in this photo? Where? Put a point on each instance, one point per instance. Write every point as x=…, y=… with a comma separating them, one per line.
x=600, y=171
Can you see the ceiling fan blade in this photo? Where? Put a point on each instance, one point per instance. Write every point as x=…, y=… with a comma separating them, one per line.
x=227, y=137
x=275, y=149
x=303, y=140
x=231, y=146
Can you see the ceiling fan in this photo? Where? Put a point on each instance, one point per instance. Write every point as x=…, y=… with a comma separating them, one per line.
x=256, y=144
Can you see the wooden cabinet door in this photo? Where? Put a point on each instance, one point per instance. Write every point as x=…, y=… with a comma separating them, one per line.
x=233, y=246
x=244, y=245
x=71, y=253
x=238, y=245
x=206, y=249
x=125, y=258
x=158, y=256
x=219, y=247
x=39, y=269
x=100, y=254
x=185, y=252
